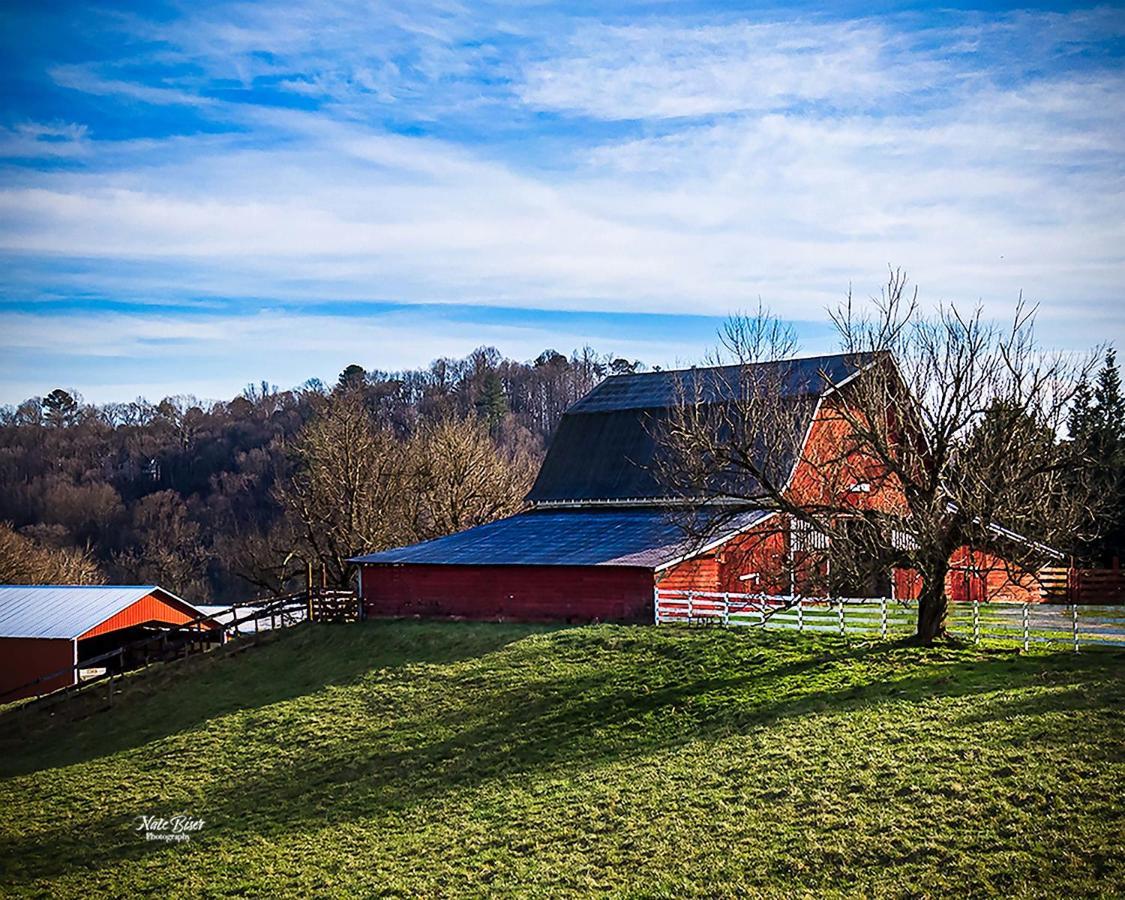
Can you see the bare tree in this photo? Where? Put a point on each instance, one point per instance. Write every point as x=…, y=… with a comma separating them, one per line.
x=347, y=493
x=948, y=437
x=25, y=561
x=459, y=478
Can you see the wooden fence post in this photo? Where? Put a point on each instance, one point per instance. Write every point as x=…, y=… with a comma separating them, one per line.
x=690, y=606
x=1026, y=637
x=1074, y=623
x=800, y=617
x=840, y=612
x=976, y=620
x=883, y=617
x=726, y=607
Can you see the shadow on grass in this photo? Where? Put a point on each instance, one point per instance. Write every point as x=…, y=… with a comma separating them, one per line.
x=582, y=699
x=168, y=699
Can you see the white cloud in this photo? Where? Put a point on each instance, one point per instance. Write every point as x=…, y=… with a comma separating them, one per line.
x=669, y=71
x=811, y=156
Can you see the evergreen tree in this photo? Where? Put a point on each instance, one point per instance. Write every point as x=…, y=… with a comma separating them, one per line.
x=1097, y=418
x=1110, y=403
x=59, y=408
x=353, y=376
x=1078, y=423
x=492, y=405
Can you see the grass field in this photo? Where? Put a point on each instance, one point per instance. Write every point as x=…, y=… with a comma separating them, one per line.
x=445, y=759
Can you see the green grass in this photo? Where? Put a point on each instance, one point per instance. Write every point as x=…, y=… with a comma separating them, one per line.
x=445, y=759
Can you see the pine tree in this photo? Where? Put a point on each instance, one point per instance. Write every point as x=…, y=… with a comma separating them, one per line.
x=59, y=408
x=1078, y=422
x=493, y=404
x=1097, y=418
x=1110, y=403
x=353, y=376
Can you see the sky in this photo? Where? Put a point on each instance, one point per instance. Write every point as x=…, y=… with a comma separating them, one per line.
x=199, y=195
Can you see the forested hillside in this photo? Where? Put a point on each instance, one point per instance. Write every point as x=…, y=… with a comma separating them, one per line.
x=220, y=499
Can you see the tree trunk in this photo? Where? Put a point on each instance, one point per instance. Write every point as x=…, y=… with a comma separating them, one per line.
x=932, y=606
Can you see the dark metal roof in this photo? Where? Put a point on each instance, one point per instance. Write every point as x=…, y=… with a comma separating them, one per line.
x=604, y=447
x=64, y=610
x=645, y=537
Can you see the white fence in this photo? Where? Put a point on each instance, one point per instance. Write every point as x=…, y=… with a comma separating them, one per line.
x=1020, y=623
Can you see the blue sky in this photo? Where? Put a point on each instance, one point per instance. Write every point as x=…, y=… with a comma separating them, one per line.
x=194, y=196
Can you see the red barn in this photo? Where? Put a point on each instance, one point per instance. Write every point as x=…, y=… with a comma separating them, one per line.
x=602, y=533
x=45, y=629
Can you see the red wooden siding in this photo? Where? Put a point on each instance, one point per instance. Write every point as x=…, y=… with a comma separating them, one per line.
x=825, y=474
x=25, y=659
x=763, y=551
x=514, y=593
x=976, y=574
x=152, y=608
x=760, y=552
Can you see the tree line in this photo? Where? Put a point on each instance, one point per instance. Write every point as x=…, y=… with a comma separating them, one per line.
x=218, y=499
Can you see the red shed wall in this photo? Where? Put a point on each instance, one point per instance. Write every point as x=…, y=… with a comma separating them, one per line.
x=148, y=609
x=25, y=659
x=514, y=593
x=759, y=553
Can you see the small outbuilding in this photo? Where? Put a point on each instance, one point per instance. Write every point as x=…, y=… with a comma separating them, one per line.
x=49, y=629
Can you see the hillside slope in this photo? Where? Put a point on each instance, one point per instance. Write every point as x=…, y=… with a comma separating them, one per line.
x=443, y=758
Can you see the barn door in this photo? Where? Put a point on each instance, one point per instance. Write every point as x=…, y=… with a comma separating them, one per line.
x=969, y=586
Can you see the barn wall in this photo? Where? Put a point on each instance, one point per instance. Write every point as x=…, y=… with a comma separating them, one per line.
x=513, y=593
x=984, y=575
x=760, y=551
x=975, y=574
x=825, y=475
x=147, y=609
x=25, y=659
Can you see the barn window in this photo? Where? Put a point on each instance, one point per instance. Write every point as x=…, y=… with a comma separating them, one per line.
x=902, y=540
x=804, y=537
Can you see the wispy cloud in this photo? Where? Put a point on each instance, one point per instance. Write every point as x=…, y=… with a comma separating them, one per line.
x=522, y=157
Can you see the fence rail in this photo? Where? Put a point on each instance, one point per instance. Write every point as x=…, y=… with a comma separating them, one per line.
x=1083, y=587
x=1070, y=626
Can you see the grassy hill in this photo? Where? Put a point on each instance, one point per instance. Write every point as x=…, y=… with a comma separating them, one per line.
x=414, y=758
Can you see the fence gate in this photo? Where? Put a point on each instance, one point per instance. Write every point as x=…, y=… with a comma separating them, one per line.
x=333, y=606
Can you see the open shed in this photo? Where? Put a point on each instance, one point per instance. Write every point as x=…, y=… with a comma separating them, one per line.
x=45, y=629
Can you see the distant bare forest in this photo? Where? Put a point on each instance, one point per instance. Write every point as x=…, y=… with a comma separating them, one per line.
x=221, y=500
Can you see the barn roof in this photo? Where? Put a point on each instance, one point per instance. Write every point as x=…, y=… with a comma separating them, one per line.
x=67, y=611
x=604, y=447
x=645, y=537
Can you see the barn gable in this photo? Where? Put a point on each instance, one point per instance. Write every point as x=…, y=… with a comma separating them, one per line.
x=606, y=443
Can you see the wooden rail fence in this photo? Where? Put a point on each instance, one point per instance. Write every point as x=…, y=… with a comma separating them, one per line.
x=1084, y=587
